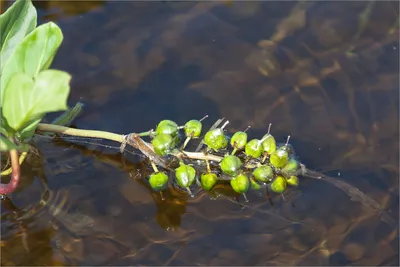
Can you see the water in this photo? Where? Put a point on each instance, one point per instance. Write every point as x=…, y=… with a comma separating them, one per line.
x=325, y=73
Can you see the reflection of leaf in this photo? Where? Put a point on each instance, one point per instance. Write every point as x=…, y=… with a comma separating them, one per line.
x=15, y=24
x=27, y=100
x=34, y=54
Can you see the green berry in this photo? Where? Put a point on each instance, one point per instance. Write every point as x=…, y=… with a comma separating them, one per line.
x=239, y=140
x=193, y=128
x=163, y=144
x=254, y=148
x=279, y=185
x=208, y=180
x=167, y=127
x=185, y=175
x=158, y=180
x=240, y=183
x=290, y=168
x=254, y=185
x=263, y=174
x=216, y=139
x=293, y=181
x=230, y=165
x=269, y=144
x=279, y=158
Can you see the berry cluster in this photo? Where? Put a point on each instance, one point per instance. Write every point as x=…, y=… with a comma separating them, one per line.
x=246, y=164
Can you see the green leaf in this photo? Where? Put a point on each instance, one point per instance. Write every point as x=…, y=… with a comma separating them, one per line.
x=6, y=145
x=15, y=24
x=5, y=128
x=26, y=100
x=34, y=54
x=29, y=130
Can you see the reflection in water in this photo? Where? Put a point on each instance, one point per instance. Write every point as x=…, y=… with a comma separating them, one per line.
x=324, y=72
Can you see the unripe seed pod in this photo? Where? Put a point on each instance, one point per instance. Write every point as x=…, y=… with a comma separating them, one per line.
x=163, y=144
x=269, y=144
x=279, y=158
x=254, y=185
x=240, y=183
x=167, y=127
x=290, y=168
x=208, y=180
x=263, y=174
x=293, y=181
x=279, y=185
x=193, y=128
x=239, y=140
x=230, y=165
x=158, y=181
x=216, y=139
x=254, y=148
x=185, y=175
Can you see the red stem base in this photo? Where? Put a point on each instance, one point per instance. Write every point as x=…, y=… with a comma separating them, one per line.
x=15, y=175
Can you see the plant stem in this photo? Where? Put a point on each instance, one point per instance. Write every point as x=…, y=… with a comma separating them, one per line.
x=234, y=150
x=155, y=169
x=21, y=160
x=146, y=133
x=198, y=155
x=44, y=127
x=15, y=175
x=134, y=140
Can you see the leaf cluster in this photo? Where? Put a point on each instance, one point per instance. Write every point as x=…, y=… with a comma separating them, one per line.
x=28, y=88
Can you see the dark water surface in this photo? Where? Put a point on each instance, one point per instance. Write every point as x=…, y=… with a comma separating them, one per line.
x=324, y=72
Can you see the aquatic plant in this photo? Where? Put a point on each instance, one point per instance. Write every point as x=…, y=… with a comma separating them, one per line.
x=205, y=167
x=29, y=90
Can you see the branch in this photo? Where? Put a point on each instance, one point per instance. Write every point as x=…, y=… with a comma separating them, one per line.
x=132, y=139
